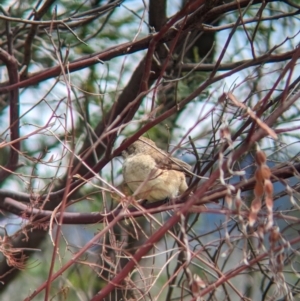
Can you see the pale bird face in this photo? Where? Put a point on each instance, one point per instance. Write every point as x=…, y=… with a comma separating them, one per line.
x=138, y=147
x=131, y=149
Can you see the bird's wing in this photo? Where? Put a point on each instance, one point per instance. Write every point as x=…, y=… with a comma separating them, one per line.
x=165, y=161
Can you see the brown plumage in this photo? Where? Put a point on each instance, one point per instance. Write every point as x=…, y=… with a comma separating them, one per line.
x=151, y=173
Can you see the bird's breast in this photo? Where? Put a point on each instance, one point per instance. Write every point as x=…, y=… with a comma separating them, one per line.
x=138, y=167
x=149, y=182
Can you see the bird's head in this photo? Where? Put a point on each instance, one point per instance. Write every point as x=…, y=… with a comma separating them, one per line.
x=142, y=145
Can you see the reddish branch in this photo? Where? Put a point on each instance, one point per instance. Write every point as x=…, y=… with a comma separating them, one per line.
x=258, y=135
x=243, y=267
x=165, y=35
x=146, y=247
x=12, y=69
x=32, y=32
x=33, y=214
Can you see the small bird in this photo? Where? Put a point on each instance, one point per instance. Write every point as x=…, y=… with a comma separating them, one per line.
x=151, y=173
